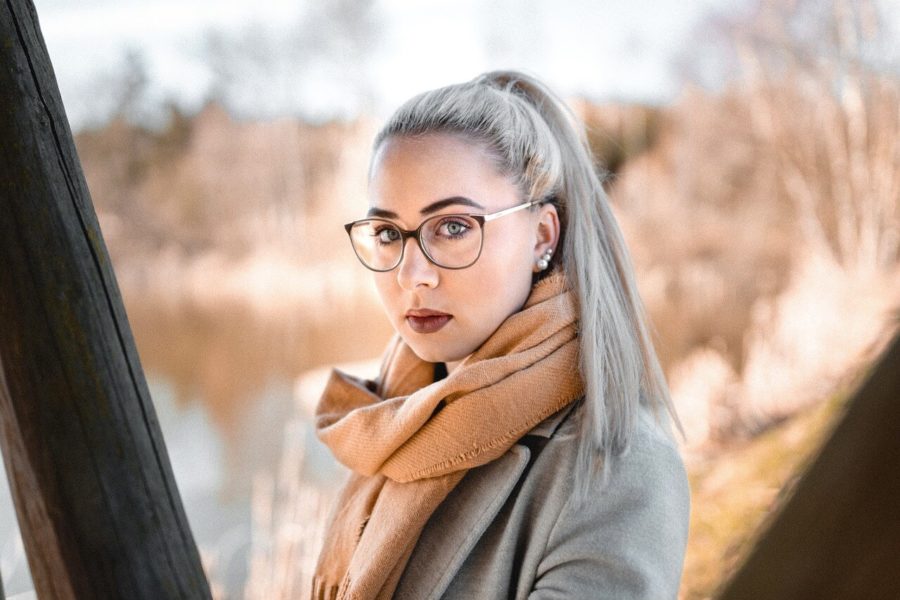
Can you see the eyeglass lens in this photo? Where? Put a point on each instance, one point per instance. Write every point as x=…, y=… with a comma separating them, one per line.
x=451, y=241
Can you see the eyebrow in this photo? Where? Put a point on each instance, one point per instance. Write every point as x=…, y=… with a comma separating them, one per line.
x=431, y=208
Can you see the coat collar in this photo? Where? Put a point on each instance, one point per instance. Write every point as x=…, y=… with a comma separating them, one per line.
x=452, y=532
x=548, y=426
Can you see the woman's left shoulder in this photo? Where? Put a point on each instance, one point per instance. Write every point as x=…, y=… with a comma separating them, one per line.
x=652, y=450
x=652, y=460
x=628, y=538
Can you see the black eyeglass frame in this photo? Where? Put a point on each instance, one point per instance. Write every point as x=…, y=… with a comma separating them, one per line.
x=405, y=234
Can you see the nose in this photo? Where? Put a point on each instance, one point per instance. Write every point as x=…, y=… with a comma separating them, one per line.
x=415, y=269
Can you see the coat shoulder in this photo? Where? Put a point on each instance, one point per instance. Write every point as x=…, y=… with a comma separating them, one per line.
x=510, y=528
x=628, y=538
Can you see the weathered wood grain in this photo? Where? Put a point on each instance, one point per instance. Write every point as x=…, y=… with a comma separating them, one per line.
x=94, y=493
x=838, y=535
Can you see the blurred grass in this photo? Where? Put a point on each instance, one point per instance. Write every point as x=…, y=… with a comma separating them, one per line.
x=738, y=490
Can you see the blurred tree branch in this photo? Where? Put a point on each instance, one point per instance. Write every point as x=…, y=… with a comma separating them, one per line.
x=820, y=82
x=331, y=43
x=829, y=114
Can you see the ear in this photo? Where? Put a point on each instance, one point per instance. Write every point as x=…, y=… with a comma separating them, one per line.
x=546, y=231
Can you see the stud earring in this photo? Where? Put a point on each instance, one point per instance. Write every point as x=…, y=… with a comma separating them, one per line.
x=544, y=261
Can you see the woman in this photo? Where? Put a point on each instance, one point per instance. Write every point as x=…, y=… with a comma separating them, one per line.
x=516, y=442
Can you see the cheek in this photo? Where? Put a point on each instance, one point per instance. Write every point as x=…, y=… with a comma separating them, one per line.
x=509, y=257
x=506, y=273
x=387, y=292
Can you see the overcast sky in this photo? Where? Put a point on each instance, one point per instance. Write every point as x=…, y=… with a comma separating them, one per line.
x=605, y=49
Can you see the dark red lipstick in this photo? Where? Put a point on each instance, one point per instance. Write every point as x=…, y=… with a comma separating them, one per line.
x=423, y=320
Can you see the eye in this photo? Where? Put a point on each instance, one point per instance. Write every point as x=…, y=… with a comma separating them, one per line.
x=386, y=235
x=454, y=228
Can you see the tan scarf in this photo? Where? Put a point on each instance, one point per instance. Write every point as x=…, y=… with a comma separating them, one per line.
x=409, y=440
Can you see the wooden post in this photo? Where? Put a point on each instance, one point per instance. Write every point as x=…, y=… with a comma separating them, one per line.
x=838, y=536
x=96, y=501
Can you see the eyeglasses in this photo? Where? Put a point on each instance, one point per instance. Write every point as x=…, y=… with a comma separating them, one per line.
x=448, y=241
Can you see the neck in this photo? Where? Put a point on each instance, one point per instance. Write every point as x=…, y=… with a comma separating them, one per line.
x=451, y=365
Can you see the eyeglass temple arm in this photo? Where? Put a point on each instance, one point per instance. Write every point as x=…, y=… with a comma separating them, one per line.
x=513, y=209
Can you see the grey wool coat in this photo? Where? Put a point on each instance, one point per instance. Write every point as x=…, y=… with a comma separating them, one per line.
x=508, y=529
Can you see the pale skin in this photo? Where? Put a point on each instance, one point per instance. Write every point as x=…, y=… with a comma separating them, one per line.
x=408, y=176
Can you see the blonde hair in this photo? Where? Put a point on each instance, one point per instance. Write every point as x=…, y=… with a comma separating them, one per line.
x=538, y=142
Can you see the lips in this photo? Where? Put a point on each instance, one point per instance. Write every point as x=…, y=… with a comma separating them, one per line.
x=423, y=320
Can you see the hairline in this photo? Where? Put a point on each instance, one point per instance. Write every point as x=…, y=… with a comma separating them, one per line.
x=480, y=141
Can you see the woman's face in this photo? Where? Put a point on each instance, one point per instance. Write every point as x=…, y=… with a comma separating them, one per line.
x=414, y=178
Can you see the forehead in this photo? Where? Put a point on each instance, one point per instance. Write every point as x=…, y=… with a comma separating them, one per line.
x=411, y=173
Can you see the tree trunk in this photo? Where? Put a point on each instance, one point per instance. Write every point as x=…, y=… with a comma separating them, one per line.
x=96, y=501
x=838, y=536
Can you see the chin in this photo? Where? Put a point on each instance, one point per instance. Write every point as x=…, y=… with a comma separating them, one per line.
x=433, y=352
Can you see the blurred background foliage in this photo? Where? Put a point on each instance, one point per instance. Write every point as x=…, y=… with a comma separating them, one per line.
x=760, y=205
